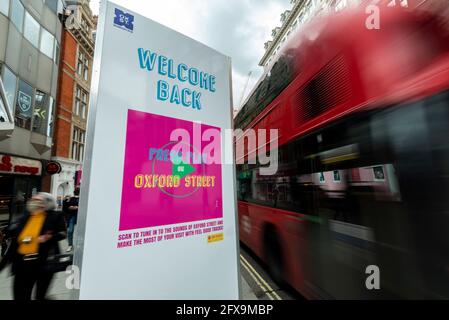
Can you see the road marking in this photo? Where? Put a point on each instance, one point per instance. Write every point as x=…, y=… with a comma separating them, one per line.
x=257, y=281
x=262, y=283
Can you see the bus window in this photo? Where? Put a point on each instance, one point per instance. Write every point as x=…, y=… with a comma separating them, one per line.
x=279, y=77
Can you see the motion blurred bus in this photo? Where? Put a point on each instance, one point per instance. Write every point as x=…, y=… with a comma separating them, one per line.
x=359, y=205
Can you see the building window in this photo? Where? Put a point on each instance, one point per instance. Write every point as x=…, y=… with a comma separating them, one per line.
x=79, y=68
x=40, y=111
x=337, y=177
x=31, y=30
x=85, y=27
x=51, y=114
x=24, y=105
x=17, y=12
x=78, y=141
x=86, y=70
x=83, y=66
x=47, y=43
x=81, y=103
x=10, y=85
x=3, y=115
x=379, y=174
x=4, y=7
x=77, y=101
x=43, y=113
x=56, y=54
x=321, y=177
x=55, y=5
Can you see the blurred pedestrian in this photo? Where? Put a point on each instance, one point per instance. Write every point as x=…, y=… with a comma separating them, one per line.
x=65, y=207
x=33, y=238
x=71, y=211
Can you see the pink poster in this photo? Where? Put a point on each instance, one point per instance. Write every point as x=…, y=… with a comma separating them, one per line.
x=162, y=186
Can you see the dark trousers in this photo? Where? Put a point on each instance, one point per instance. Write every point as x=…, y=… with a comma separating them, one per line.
x=27, y=275
x=71, y=229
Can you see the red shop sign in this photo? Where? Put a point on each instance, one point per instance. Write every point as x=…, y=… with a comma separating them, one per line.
x=9, y=164
x=53, y=167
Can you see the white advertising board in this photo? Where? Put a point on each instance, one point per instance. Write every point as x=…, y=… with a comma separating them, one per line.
x=157, y=217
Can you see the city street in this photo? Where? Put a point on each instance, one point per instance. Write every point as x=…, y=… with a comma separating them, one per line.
x=256, y=276
x=224, y=150
x=256, y=283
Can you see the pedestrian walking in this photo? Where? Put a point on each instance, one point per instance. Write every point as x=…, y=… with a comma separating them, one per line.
x=33, y=239
x=70, y=209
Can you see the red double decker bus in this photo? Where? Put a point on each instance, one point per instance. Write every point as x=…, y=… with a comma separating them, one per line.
x=359, y=206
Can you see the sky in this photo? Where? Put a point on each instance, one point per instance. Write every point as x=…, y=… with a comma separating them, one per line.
x=237, y=28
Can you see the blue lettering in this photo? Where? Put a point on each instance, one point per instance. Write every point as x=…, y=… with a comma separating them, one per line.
x=162, y=90
x=146, y=59
x=212, y=82
x=193, y=76
x=204, y=80
x=175, y=95
x=196, y=103
x=184, y=97
x=170, y=69
x=160, y=154
x=162, y=65
x=152, y=153
x=182, y=69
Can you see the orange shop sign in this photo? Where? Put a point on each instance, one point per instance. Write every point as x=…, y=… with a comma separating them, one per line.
x=16, y=165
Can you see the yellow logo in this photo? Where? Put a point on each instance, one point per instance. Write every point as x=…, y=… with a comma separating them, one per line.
x=215, y=237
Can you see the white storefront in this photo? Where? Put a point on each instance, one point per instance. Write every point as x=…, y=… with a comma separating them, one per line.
x=63, y=183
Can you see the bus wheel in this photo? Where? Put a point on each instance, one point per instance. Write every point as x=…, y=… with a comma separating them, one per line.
x=273, y=256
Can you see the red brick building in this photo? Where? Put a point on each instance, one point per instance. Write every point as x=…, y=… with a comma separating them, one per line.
x=77, y=48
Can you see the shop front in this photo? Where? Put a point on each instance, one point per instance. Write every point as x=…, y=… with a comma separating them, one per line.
x=20, y=178
x=64, y=182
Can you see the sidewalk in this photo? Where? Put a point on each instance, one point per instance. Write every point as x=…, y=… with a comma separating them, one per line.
x=58, y=290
